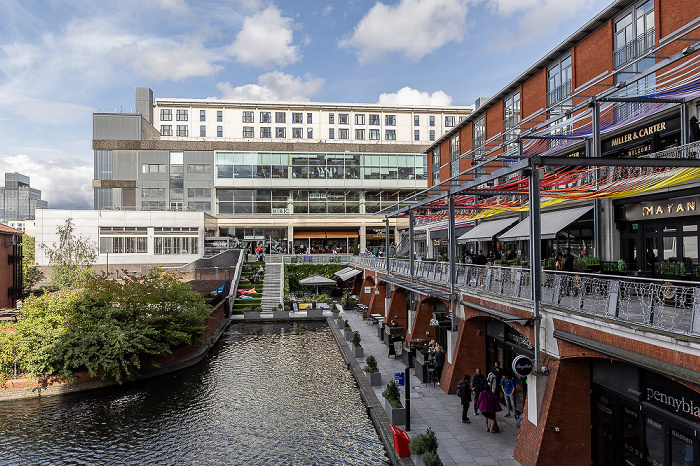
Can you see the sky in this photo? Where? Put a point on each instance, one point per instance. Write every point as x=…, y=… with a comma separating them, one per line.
x=61, y=61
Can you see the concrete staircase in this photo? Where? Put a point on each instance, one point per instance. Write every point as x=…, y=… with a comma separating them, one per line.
x=272, y=287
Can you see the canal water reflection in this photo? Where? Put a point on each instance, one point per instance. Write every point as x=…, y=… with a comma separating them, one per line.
x=273, y=394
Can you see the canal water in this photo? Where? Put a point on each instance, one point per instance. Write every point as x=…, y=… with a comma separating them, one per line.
x=269, y=394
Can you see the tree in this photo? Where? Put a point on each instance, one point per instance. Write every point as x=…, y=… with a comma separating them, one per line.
x=31, y=275
x=70, y=259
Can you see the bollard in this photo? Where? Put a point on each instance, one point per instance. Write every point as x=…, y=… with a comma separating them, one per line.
x=408, y=400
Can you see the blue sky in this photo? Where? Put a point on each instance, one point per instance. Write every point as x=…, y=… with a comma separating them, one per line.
x=60, y=61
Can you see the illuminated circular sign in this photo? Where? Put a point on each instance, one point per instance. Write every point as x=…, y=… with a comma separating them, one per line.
x=522, y=366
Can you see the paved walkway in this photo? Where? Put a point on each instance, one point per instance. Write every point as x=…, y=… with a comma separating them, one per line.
x=468, y=444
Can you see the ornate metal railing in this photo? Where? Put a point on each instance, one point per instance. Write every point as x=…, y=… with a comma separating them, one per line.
x=662, y=305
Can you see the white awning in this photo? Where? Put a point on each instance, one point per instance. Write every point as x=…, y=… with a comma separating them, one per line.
x=551, y=224
x=343, y=271
x=349, y=274
x=487, y=229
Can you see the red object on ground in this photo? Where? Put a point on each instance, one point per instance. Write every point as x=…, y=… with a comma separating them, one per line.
x=401, y=441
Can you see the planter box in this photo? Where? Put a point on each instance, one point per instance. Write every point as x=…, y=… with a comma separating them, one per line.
x=375, y=378
x=358, y=351
x=397, y=416
x=348, y=336
x=252, y=315
x=314, y=313
x=340, y=324
x=280, y=314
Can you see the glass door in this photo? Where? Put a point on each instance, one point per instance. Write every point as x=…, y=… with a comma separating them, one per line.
x=631, y=438
x=654, y=441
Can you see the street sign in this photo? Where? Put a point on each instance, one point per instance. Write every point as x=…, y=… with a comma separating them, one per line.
x=399, y=379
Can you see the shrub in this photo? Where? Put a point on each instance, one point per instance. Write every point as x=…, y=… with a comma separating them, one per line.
x=371, y=364
x=356, y=338
x=431, y=458
x=424, y=443
x=347, y=326
x=393, y=395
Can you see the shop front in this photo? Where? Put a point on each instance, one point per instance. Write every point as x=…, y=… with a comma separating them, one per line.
x=503, y=345
x=640, y=417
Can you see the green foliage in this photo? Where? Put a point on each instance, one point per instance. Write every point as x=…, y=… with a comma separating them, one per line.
x=393, y=395
x=424, y=443
x=431, y=458
x=621, y=266
x=340, y=318
x=347, y=326
x=371, y=364
x=356, y=338
x=517, y=261
x=107, y=328
x=71, y=259
x=355, y=247
x=31, y=275
x=295, y=272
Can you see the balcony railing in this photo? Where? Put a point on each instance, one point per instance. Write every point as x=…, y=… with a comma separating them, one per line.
x=634, y=48
x=559, y=93
x=657, y=304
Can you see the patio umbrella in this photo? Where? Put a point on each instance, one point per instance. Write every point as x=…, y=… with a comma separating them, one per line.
x=316, y=280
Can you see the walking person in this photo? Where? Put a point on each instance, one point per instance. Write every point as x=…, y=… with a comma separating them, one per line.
x=488, y=405
x=478, y=385
x=508, y=389
x=465, y=395
x=439, y=362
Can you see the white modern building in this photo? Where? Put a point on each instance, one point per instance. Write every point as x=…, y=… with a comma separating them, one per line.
x=291, y=175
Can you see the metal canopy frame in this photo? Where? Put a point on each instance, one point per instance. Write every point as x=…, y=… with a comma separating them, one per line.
x=415, y=287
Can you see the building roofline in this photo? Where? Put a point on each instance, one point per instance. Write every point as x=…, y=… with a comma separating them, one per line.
x=567, y=44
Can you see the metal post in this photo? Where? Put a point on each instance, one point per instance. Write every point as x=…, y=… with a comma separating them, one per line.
x=386, y=248
x=407, y=378
x=596, y=150
x=684, y=124
x=411, y=252
x=347, y=244
x=451, y=251
x=535, y=257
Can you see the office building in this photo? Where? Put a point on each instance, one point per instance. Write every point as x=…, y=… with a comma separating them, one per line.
x=19, y=201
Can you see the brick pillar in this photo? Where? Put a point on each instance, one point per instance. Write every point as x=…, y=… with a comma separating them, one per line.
x=363, y=297
x=398, y=307
x=376, y=303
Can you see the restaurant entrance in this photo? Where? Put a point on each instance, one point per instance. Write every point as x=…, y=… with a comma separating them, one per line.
x=503, y=344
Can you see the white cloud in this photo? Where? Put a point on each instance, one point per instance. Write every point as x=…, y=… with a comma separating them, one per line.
x=265, y=40
x=327, y=10
x=413, y=28
x=50, y=177
x=274, y=86
x=164, y=59
x=175, y=6
x=409, y=96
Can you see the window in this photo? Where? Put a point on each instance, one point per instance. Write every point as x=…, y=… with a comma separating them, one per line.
x=166, y=130
x=432, y=120
x=331, y=118
x=416, y=120
x=202, y=131
x=360, y=119
x=153, y=205
x=280, y=132
x=297, y=133
x=559, y=81
x=479, y=144
x=454, y=155
x=432, y=134
x=343, y=133
x=247, y=117
x=219, y=115
x=181, y=115
x=511, y=121
x=202, y=115
x=182, y=130
x=634, y=34
x=331, y=133
x=280, y=117
x=359, y=134
x=198, y=192
x=309, y=118
x=374, y=134
x=309, y=133
x=249, y=132
x=199, y=206
x=374, y=120
x=343, y=118
x=390, y=135
x=265, y=117
x=390, y=120
x=153, y=168
x=416, y=135
x=152, y=192
x=297, y=117
x=198, y=168
x=166, y=114
x=436, y=165
x=219, y=131
x=449, y=121
x=265, y=132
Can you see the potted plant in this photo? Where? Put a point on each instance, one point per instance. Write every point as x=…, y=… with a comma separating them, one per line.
x=373, y=374
x=314, y=312
x=341, y=322
x=280, y=312
x=348, y=331
x=392, y=404
x=621, y=266
x=252, y=312
x=357, y=349
x=425, y=446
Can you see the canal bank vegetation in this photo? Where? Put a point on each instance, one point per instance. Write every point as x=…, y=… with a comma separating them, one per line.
x=106, y=328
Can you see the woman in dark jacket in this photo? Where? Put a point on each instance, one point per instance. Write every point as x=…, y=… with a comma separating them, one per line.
x=488, y=405
x=478, y=384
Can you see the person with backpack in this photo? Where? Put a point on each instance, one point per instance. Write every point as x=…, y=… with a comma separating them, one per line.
x=478, y=385
x=465, y=395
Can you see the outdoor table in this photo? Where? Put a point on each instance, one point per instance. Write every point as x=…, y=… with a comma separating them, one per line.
x=375, y=318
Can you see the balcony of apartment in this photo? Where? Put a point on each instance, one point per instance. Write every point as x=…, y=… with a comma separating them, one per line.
x=655, y=305
x=634, y=49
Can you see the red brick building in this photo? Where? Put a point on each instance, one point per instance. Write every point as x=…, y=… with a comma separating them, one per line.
x=10, y=266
